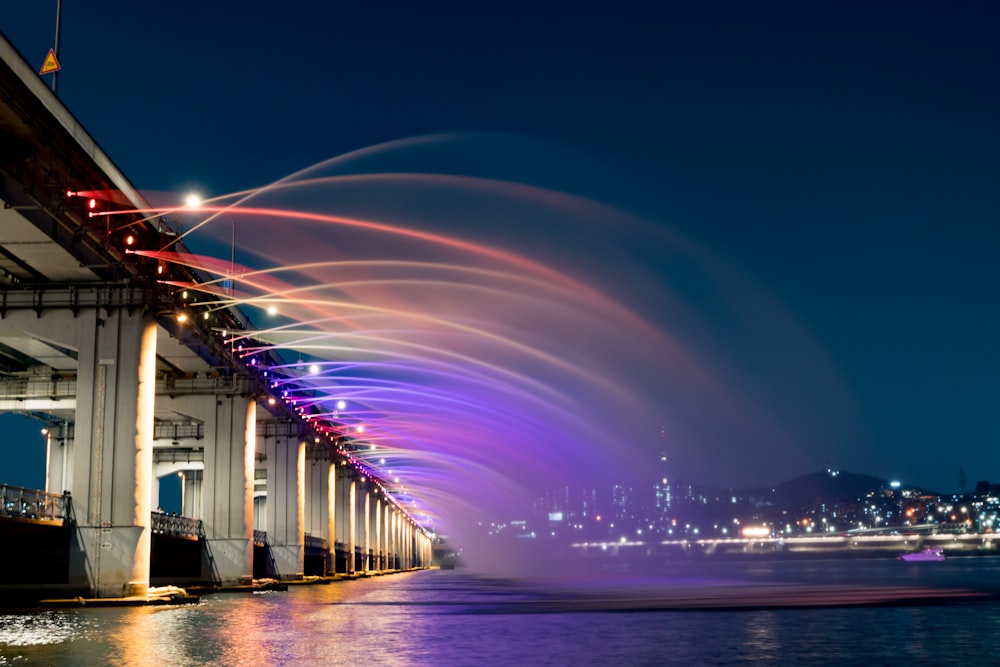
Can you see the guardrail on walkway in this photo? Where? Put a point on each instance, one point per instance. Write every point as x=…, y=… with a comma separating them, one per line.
x=312, y=542
x=20, y=503
x=171, y=524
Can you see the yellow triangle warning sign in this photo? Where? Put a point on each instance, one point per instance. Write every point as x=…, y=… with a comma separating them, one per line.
x=51, y=64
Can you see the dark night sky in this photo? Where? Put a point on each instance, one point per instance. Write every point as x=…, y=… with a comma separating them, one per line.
x=838, y=158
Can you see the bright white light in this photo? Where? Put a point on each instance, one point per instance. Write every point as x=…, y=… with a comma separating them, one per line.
x=313, y=369
x=341, y=405
x=272, y=310
x=193, y=200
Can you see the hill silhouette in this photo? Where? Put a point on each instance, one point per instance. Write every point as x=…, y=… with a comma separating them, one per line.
x=828, y=487
x=823, y=486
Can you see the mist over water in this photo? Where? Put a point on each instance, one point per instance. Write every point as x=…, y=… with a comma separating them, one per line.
x=486, y=328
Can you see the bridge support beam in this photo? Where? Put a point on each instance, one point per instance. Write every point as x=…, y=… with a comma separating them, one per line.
x=390, y=517
x=331, y=516
x=376, y=531
x=319, y=507
x=58, y=460
x=364, y=526
x=390, y=537
x=222, y=495
x=407, y=545
x=227, y=487
x=192, y=487
x=286, y=504
x=344, y=519
x=113, y=450
x=352, y=527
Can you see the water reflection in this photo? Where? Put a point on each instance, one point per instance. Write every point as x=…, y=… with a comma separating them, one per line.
x=760, y=639
x=157, y=635
x=46, y=638
x=435, y=617
x=36, y=630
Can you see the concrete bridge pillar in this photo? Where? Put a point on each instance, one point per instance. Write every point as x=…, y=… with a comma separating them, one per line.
x=364, y=526
x=410, y=551
x=221, y=492
x=377, y=550
x=393, y=542
x=393, y=539
x=260, y=492
x=387, y=528
x=331, y=516
x=192, y=491
x=286, y=504
x=352, y=526
x=404, y=552
x=319, y=507
x=58, y=459
x=343, y=513
x=227, y=486
x=386, y=534
x=112, y=455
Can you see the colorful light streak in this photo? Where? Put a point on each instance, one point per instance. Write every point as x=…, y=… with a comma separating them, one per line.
x=479, y=373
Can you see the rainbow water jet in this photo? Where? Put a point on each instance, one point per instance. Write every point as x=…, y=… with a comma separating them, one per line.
x=487, y=340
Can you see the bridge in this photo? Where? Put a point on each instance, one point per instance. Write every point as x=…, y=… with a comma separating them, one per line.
x=90, y=343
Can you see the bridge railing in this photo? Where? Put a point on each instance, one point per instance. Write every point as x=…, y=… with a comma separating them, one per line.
x=171, y=524
x=313, y=542
x=20, y=503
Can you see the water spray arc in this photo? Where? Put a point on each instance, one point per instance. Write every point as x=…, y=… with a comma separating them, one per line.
x=467, y=368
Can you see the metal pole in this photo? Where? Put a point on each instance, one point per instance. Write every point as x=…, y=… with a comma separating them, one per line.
x=232, y=260
x=55, y=50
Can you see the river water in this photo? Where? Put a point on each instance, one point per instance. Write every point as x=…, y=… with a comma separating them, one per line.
x=717, y=614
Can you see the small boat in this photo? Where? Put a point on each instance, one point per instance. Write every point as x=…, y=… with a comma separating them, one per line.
x=929, y=553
